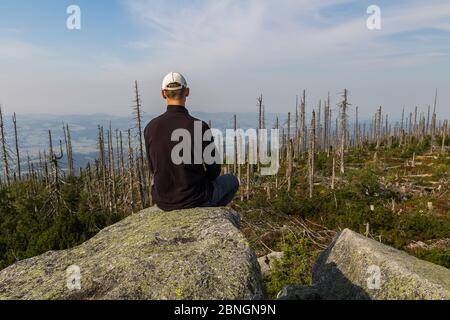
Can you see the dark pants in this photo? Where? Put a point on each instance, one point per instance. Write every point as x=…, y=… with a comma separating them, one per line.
x=225, y=188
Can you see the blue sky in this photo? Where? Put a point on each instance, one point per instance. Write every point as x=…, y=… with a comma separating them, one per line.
x=230, y=51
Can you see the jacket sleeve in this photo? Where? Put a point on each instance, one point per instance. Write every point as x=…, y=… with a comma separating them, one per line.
x=147, y=147
x=212, y=170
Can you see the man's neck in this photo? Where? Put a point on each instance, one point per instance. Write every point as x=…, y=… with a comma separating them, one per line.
x=176, y=103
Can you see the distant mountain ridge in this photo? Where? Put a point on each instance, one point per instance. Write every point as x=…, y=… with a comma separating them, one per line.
x=33, y=130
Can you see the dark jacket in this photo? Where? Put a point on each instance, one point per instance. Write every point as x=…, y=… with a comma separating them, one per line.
x=177, y=186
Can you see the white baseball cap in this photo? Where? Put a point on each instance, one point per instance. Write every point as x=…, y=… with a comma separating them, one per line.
x=174, y=77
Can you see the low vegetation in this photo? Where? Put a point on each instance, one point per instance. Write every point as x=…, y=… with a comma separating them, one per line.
x=389, y=200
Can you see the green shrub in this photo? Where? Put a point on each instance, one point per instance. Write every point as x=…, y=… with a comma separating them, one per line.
x=295, y=268
x=436, y=256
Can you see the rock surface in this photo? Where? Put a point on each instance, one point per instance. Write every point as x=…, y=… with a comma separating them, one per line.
x=299, y=293
x=267, y=262
x=349, y=269
x=186, y=254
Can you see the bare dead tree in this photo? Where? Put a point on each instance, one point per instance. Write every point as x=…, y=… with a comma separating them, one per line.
x=297, y=118
x=68, y=144
x=131, y=172
x=378, y=126
x=289, y=129
x=444, y=135
x=140, y=151
x=415, y=122
x=319, y=126
x=343, y=130
x=260, y=126
x=303, y=141
x=112, y=170
x=19, y=170
x=333, y=174
x=289, y=168
x=55, y=184
x=4, y=149
x=121, y=154
x=311, y=152
x=248, y=175
x=235, y=145
x=326, y=125
x=402, y=130
x=433, y=123
x=103, y=170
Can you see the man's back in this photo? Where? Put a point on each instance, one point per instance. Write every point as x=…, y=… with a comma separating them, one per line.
x=177, y=186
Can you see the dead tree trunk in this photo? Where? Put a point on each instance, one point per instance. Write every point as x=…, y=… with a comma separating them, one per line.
x=378, y=126
x=444, y=135
x=19, y=170
x=112, y=169
x=258, y=146
x=325, y=129
x=303, y=123
x=343, y=130
x=312, y=135
x=235, y=146
x=319, y=127
x=296, y=135
x=131, y=171
x=402, y=130
x=289, y=165
x=140, y=160
x=102, y=156
x=288, y=130
x=356, y=134
x=55, y=175
x=68, y=143
x=122, y=159
x=4, y=149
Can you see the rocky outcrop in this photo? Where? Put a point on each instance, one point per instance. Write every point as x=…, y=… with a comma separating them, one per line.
x=355, y=267
x=186, y=254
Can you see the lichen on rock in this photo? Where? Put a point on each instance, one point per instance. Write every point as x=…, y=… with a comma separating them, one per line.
x=185, y=254
x=355, y=267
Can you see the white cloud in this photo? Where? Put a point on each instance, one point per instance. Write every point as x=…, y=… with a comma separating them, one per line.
x=276, y=32
x=232, y=50
x=280, y=47
x=11, y=49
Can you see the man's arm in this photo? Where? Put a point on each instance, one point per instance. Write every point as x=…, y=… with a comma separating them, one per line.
x=212, y=170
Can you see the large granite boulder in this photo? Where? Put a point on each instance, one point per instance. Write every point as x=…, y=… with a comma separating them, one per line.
x=186, y=254
x=356, y=267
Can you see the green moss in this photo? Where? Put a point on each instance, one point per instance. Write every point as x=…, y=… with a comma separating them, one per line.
x=295, y=266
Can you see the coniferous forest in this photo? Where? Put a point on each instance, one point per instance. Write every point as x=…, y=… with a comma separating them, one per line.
x=386, y=178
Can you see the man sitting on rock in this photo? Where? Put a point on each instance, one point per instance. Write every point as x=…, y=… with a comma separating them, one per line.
x=188, y=183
